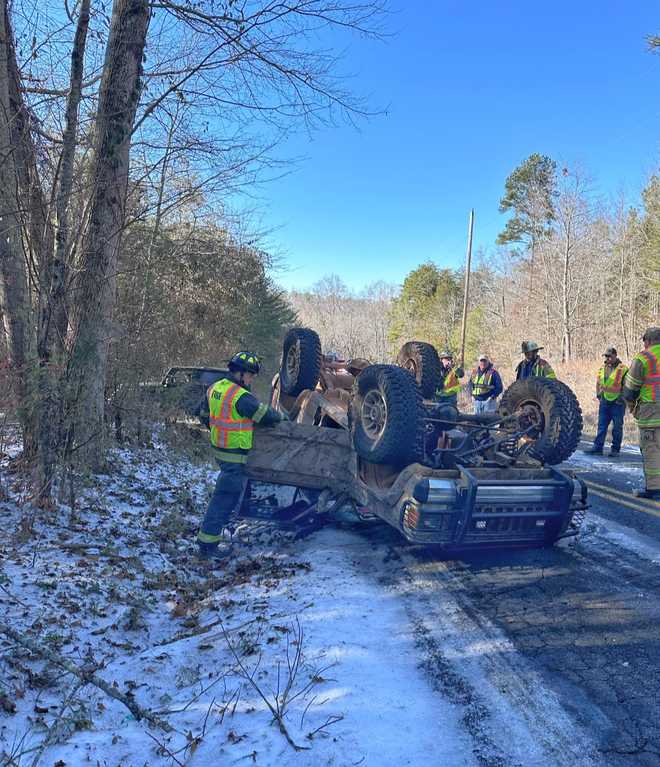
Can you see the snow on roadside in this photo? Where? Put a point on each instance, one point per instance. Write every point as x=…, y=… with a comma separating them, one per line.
x=112, y=586
x=621, y=536
x=604, y=464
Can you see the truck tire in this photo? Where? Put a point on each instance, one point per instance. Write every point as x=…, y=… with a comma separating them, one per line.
x=422, y=362
x=301, y=361
x=558, y=412
x=384, y=416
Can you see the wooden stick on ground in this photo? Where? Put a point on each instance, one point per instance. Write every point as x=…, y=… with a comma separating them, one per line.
x=87, y=677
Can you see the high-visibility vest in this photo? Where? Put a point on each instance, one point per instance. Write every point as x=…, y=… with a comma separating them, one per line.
x=650, y=390
x=611, y=386
x=450, y=385
x=229, y=429
x=482, y=381
x=542, y=369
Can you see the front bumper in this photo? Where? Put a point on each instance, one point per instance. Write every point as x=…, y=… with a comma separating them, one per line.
x=485, y=509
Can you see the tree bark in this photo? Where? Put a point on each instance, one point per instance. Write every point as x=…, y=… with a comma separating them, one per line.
x=14, y=289
x=96, y=284
x=566, y=336
x=56, y=311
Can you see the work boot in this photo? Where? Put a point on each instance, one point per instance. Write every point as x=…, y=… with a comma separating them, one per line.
x=593, y=451
x=614, y=453
x=653, y=495
x=211, y=552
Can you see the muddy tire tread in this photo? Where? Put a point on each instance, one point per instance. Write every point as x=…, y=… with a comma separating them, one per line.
x=427, y=362
x=310, y=361
x=400, y=442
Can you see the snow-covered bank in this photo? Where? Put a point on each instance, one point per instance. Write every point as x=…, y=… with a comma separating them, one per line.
x=298, y=629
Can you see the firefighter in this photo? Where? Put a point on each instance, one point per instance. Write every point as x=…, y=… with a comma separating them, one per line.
x=611, y=407
x=485, y=386
x=641, y=390
x=533, y=365
x=449, y=385
x=232, y=413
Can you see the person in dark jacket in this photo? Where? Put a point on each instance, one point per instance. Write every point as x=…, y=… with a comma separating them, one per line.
x=533, y=366
x=232, y=413
x=485, y=386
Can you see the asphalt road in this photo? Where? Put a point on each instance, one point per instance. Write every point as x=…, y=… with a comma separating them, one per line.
x=584, y=616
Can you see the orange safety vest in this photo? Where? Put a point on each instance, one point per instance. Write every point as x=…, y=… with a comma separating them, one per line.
x=650, y=391
x=229, y=429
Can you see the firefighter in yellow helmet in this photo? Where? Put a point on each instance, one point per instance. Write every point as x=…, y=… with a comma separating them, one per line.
x=232, y=413
x=641, y=390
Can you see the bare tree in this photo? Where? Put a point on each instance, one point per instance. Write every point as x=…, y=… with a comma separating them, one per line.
x=221, y=85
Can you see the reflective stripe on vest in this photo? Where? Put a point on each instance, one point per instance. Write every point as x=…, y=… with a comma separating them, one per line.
x=228, y=428
x=482, y=381
x=450, y=385
x=650, y=391
x=611, y=387
x=543, y=370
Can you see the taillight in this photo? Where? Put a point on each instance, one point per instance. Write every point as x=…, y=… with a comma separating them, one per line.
x=410, y=516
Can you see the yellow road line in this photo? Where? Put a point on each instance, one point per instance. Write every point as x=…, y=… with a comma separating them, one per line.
x=606, y=492
x=609, y=489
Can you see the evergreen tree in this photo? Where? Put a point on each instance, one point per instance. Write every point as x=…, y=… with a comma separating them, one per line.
x=428, y=307
x=528, y=193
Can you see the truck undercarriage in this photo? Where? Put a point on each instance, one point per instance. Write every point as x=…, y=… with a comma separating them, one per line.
x=367, y=442
x=364, y=436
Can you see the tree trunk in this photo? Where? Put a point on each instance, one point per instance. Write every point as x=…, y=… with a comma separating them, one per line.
x=622, y=315
x=14, y=290
x=56, y=310
x=565, y=309
x=96, y=284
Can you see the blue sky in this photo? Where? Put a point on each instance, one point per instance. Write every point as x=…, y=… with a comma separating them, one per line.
x=471, y=89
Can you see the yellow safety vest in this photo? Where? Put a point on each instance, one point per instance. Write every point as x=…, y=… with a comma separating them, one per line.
x=482, y=381
x=611, y=386
x=450, y=385
x=542, y=369
x=229, y=429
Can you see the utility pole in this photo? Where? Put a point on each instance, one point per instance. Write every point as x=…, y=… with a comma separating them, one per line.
x=466, y=293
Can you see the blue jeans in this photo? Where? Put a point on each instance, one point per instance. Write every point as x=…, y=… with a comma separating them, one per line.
x=610, y=412
x=229, y=487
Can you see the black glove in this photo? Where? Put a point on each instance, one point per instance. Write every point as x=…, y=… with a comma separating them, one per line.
x=459, y=372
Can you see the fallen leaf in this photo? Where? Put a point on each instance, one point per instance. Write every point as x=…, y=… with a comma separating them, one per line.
x=7, y=705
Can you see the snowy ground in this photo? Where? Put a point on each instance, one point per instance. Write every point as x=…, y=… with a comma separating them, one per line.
x=112, y=585
x=338, y=649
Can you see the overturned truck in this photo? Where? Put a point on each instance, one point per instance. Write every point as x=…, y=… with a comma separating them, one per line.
x=370, y=438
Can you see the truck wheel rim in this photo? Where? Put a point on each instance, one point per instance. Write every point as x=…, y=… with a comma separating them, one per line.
x=531, y=414
x=373, y=414
x=293, y=362
x=411, y=367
